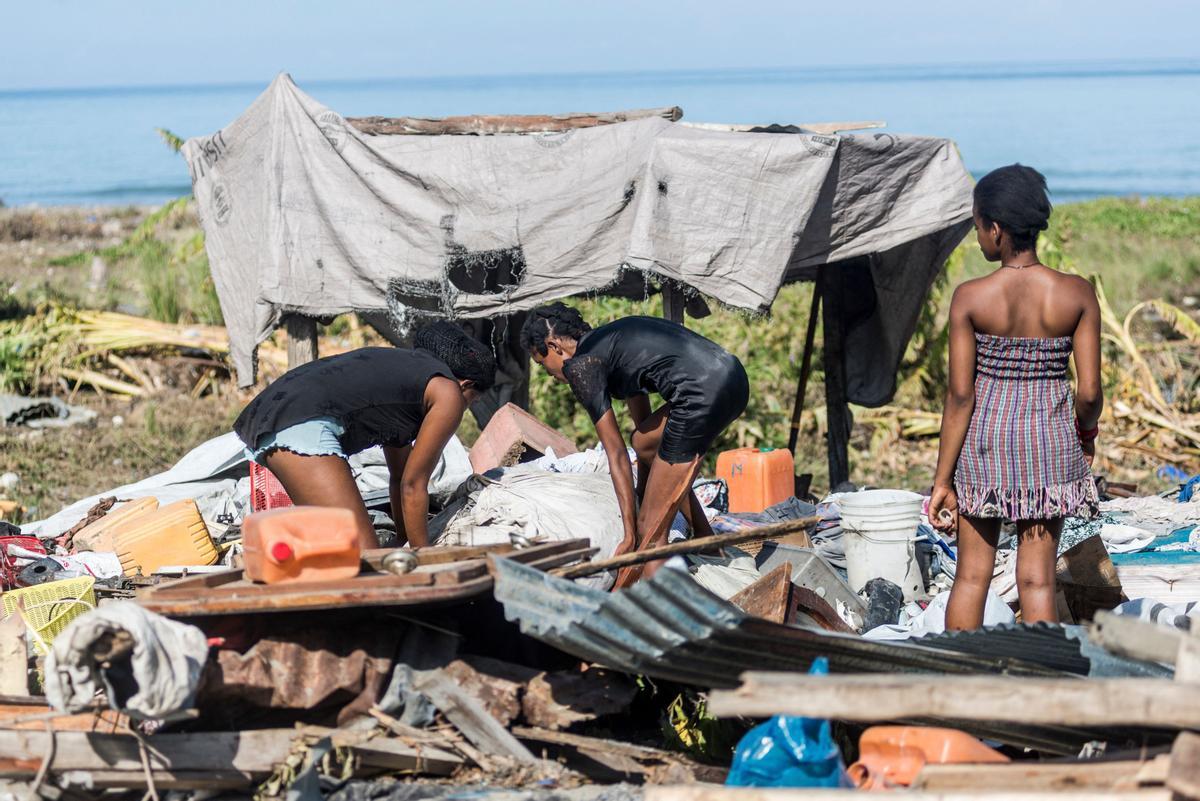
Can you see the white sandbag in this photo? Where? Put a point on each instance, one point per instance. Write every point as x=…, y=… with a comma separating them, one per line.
x=167, y=660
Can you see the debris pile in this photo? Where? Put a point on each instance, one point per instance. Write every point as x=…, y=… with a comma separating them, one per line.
x=146, y=651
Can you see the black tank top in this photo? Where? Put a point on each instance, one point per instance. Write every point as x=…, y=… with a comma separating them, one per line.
x=640, y=355
x=378, y=395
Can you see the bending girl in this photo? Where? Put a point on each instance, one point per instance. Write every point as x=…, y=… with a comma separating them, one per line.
x=304, y=425
x=1015, y=444
x=704, y=389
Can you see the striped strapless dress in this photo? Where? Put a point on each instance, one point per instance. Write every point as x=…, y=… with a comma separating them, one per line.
x=1021, y=459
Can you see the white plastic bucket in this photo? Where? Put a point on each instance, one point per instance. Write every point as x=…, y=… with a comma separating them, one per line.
x=879, y=530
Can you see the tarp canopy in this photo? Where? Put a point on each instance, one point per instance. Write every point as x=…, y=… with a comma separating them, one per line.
x=305, y=214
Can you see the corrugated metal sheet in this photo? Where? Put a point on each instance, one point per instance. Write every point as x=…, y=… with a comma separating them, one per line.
x=672, y=628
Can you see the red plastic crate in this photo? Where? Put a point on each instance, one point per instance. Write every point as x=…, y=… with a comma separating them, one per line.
x=8, y=570
x=265, y=490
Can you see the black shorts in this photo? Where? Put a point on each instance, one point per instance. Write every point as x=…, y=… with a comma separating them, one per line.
x=697, y=419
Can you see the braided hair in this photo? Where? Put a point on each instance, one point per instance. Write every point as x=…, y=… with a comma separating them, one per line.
x=556, y=319
x=1015, y=198
x=468, y=358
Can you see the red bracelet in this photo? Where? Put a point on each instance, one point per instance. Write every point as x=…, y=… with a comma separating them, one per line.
x=1087, y=435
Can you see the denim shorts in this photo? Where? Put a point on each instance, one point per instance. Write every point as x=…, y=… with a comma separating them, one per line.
x=320, y=436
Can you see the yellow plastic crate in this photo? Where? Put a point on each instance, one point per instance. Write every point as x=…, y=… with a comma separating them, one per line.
x=49, y=607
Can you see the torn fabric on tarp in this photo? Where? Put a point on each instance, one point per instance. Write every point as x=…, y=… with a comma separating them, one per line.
x=303, y=213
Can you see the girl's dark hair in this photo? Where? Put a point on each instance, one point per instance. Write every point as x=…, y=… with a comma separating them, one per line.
x=468, y=358
x=1015, y=198
x=556, y=319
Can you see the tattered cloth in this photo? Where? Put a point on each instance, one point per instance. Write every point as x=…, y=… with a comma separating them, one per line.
x=303, y=213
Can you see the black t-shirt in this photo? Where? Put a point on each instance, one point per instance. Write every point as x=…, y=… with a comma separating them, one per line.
x=378, y=394
x=640, y=355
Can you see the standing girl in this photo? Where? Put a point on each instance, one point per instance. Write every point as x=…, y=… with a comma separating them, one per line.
x=1015, y=443
x=304, y=425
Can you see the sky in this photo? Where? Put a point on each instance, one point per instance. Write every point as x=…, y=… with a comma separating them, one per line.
x=65, y=43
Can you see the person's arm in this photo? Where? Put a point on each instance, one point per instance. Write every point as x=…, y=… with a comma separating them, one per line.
x=956, y=417
x=444, y=411
x=396, y=458
x=622, y=478
x=1089, y=394
x=639, y=408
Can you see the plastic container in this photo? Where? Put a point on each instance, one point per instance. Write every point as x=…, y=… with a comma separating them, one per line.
x=301, y=543
x=265, y=490
x=880, y=538
x=893, y=756
x=173, y=535
x=757, y=478
x=48, y=608
x=99, y=535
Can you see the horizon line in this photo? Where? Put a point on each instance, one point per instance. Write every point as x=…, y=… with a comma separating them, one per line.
x=1066, y=67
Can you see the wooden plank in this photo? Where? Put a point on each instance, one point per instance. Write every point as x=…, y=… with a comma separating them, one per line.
x=1045, y=776
x=623, y=757
x=1061, y=702
x=1183, y=774
x=14, y=656
x=810, y=334
x=470, y=717
x=770, y=597
x=701, y=792
x=486, y=125
x=163, y=780
x=301, y=339
x=698, y=545
x=1136, y=638
x=252, y=752
x=823, y=128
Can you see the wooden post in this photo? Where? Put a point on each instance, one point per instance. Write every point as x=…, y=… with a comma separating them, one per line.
x=837, y=411
x=302, y=339
x=810, y=337
x=673, y=302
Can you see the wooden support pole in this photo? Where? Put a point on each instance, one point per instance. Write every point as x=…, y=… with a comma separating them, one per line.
x=302, y=339
x=1061, y=702
x=698, y=545
x=810, y=336
x=837, y=411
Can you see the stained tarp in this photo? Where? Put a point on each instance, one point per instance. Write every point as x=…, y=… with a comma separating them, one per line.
x=303, y=213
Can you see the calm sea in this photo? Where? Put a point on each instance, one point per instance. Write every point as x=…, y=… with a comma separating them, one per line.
x=1115, y=128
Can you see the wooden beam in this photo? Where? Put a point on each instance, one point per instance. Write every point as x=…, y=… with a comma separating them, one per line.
x=770, y=597
x=824, y=128
x=470, y=717
x=837, y=409
x=486, y=125
x=698, y=545
x=1090, y=774
x=1183, y=775
x=302, y=340
x=1060, y=702
x=701, y=792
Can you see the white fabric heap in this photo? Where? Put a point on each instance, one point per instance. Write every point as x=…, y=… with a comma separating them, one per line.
x=214, y=475
x=1155, y=514
x=917, y=622
x=168, y=658
x=537, y=505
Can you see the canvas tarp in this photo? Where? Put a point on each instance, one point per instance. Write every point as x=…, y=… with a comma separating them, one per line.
x=303, y=213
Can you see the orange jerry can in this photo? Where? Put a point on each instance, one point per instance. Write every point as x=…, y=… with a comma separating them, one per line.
x=756, y=477
x=172, y=535
x=301, y=543
x=99, y=536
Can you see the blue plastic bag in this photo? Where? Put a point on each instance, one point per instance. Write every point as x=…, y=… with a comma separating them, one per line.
x=790, y=752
